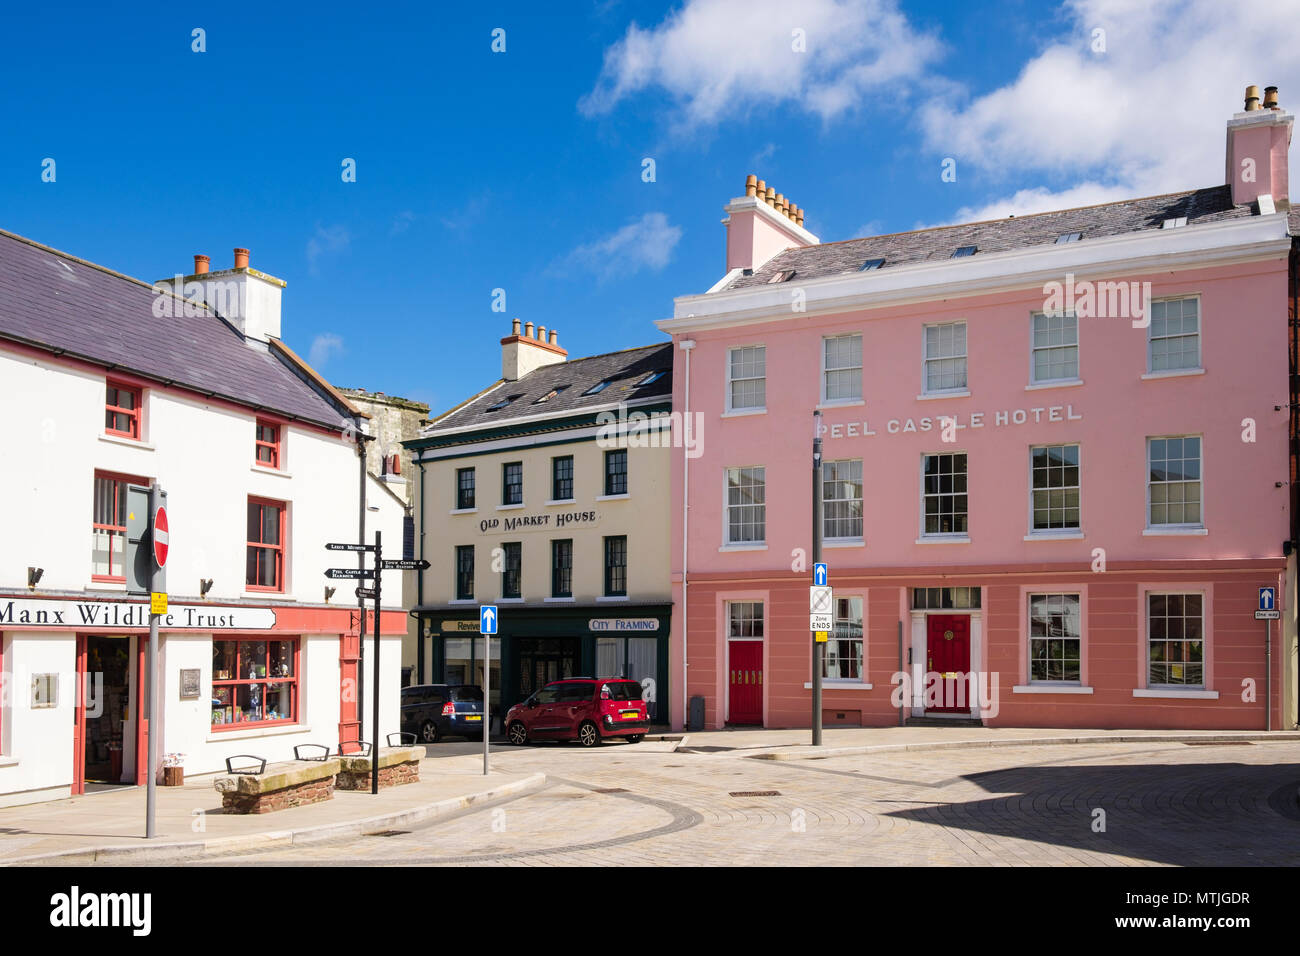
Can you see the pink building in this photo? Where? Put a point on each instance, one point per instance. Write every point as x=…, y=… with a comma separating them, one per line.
x=1057, y=462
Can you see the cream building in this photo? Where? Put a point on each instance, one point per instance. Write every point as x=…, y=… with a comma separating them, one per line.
x=547, y=495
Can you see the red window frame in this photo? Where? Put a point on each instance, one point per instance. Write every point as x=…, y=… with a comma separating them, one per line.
x=116, y=524
x=256, y=547
x=270, y=446
x=113, y=409
x=227, y=705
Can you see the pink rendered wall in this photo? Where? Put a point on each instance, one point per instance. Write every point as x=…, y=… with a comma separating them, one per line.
x=752, y=240
x=1243, y=341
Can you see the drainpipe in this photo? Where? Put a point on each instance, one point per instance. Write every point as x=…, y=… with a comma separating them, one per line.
x=687, y=346
x=419, y=582
x=362, y=438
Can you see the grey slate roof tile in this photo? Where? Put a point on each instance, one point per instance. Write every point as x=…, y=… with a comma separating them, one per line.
x=57, y=302
x=621, y=369
x=1108, y=219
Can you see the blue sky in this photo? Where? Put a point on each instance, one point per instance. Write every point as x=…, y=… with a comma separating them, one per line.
x=522, y=170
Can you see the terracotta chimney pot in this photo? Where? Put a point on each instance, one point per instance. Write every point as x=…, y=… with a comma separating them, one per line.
x=751, y=185
x=555, y=337
x=770, y=197
x=241, y=258
x=201, y=265
x=514, y=327
x=541, y=333
x=1252, y=97
x=1270, y=98
x=528, y=330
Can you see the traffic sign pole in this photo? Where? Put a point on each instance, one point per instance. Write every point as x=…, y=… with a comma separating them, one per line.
x=374, y=725
x=488, y=616
x=818, y=648
x=157, y=584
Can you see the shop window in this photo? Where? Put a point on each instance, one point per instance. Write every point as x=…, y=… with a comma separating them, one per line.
x=512, y=570
x=843, y=657
x=562, y=568
x=746, y=506
x=842, y=500
x=464, y=489
x=108, y=527
x=1055, y=638
x=465, y=572
x=944, y=494
x=254, y=682
x=1055, y=487
x=265, y=545
x=267, y=445
x=842, y=360
x=616, y=566
x=616, y=472
x=122, y=411
x=1176, y=640
x=562, y=478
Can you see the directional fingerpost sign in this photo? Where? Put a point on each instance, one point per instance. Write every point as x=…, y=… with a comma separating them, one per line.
x=487, y=619
x=820, y=576
x=345, y=546
x=349, y=573
x=404, y=564
x=367, y=593
x=821, y=606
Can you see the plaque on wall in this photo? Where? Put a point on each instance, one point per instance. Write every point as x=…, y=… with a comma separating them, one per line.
x=189, y=683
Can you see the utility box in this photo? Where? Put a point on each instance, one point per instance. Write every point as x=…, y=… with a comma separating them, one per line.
x=696, y=719
x=137, y=558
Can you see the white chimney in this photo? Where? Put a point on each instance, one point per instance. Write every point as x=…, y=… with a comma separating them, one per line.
x=247, y=299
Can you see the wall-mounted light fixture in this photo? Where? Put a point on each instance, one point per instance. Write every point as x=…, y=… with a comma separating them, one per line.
x=329, y=593
x=205, y=585
x=34, y=576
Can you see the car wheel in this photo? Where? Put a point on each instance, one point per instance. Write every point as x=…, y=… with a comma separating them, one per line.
x=518, y=734
x=588, y=734
x=635, y=738
x=429, y=732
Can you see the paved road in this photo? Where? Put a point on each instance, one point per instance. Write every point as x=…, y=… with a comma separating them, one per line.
x=1159, y=803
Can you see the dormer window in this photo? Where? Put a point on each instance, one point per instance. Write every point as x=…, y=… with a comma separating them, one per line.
x=963, y=251
x=267, y=444
x=122, y=411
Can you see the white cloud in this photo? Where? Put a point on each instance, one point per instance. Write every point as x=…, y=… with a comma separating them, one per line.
x=1144, y=117
x=717, y=58
x=324, y=347
x=647, y=243
x=401, y=222
x=327, y=240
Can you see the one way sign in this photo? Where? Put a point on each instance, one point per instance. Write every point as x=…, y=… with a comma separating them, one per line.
x=487, y=619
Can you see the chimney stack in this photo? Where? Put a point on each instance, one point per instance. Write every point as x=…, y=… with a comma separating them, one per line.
x=248, y=300
x=1259, y=139
x=521, y=354
x=201, y=265
x=762, y=223
x=241, y=258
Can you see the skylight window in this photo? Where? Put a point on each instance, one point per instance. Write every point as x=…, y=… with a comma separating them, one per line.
x=652, y=377
x=964, y=251
x=1174, y=223
x=550, y=395
x=597, y=388
x=871, y=264
x=781, y=277
x=1068, y=237
x=502, y=403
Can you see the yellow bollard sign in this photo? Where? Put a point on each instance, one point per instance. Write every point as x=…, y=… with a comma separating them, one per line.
x=157, y=603
x=821, y=637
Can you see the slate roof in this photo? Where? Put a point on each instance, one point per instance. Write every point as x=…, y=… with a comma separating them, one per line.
x=621, y=369
x=57, y=302
x=1107, y=219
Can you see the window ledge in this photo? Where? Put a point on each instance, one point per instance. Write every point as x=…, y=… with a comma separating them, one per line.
x=1055, y=536
x=252, y=732
x=1176, y=693
x=109, y=587
x=9, y=761
x=267, y=470
x=463, y=511
x=502, y=600
x=742, y=412
x=462, y=601
x=128, y=442
x=843, y=403
x=942, y=539
x=560, y=501
x=621, y=497
x=1063, y=383
x=559, y=600
x=517, y=507
x=1173, y=532
x=1172, y=373
x=934, y=396
x=839, y=685
x=844, y=543
x=1051, y=689
x=278, y=597
x=743, y=547
x=613, y=598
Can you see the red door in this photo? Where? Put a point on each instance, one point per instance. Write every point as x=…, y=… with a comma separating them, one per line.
x=79, y=721
x=349, y=724
x=745, y=682
x=142, y=715
x=948, y=655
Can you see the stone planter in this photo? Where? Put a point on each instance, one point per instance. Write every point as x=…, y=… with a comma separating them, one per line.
x=397, y=765
x=294, y=783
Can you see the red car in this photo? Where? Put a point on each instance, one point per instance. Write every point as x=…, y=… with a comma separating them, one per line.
x=584, y=709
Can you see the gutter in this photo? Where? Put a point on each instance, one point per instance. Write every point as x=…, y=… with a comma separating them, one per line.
x=687, y=346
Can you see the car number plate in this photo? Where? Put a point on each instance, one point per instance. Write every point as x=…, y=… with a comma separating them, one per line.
x=630, y=715
x=473, y=716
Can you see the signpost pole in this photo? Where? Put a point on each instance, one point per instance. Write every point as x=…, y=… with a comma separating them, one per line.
x=374, y=725
x=487, y=697
x=150, y=697
x=818, y=648
x=1268, y=671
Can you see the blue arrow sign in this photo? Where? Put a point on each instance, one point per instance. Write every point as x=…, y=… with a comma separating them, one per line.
x=819, y=575
x=487, y=619
x=1267, y=599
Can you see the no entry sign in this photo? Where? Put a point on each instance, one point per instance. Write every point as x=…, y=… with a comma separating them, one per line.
x=160, y=537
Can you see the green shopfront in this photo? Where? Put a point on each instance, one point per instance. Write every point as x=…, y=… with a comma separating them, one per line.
x=536, y=645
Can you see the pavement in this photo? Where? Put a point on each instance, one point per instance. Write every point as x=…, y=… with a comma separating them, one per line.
x=867, y=796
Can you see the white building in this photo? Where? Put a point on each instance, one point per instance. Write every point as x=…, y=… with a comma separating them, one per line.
x=122, y=382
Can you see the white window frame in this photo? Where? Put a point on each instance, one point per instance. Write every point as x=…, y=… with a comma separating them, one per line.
x=746, y=409
x=1076, y=531
x=1029, y=638
x=943, y=535
x=847, y=539
x=1147, y=595
x=1171, y=526
x=855, y=400
x=862, y=642
x=727, y=506
x=1034, y=349
x=926, y=359
x=1200, y=332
